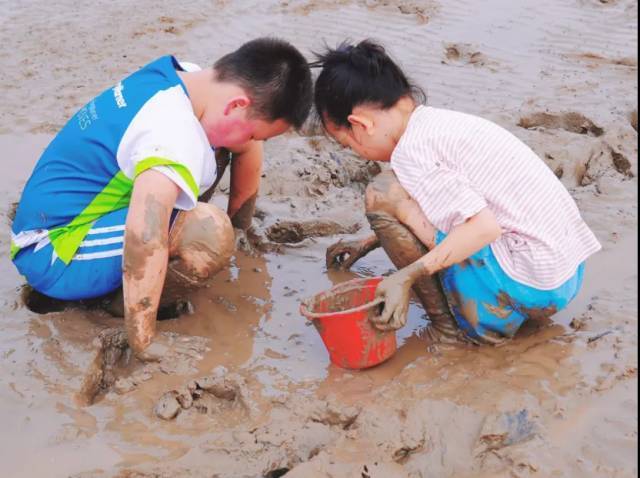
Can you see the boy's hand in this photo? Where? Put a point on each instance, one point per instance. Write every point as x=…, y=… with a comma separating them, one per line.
x=343, y=254
x=395, y=291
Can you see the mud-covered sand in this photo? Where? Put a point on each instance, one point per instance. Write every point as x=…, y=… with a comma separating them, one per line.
x=560, y=400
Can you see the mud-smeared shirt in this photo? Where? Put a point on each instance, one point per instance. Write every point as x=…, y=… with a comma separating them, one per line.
x=454, y=165
x=146, y=121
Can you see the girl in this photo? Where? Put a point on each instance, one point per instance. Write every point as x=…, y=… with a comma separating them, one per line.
x=476, y=223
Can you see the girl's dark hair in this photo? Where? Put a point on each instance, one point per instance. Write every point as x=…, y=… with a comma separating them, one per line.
x=354, y=75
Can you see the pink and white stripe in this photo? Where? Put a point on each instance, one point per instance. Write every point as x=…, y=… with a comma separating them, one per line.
x=454, y=165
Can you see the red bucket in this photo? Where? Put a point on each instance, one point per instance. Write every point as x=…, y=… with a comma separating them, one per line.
x=342, y=315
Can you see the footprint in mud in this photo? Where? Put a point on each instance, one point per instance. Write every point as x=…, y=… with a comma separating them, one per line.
x=420, y=12
x=464, y=53
x=572, y=122
x=292, y=232
x=115, y=368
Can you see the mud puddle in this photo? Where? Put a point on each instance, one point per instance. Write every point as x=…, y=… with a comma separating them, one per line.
x=559, y=400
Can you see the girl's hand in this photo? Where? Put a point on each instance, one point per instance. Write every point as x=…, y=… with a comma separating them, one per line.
x=394, y=290
x=343, y=254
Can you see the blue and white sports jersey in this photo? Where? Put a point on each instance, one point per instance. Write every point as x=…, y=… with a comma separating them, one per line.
x=144, y=122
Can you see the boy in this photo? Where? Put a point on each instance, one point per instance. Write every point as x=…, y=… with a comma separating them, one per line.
x=113, y=201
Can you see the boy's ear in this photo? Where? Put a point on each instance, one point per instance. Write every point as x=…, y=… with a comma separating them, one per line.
x=241, y=102
x=361, y=120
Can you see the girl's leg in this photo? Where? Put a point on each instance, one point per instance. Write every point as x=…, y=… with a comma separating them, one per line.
x=386, y=203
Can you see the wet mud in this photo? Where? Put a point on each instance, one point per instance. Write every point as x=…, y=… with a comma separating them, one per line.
x=560, y=399
x=218, y=393
x=464, y=53
x=572, y=122
x=294, y=232
x=114, y=367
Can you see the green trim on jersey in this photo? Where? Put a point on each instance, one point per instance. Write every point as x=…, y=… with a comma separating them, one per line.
x=181, y=169
x=14, y=249
x=115, y=195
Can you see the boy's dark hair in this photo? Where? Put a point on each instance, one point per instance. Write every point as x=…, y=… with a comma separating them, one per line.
x=355, y=75
x=274, y=74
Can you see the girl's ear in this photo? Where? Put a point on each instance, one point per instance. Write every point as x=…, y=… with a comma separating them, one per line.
x=362, y=121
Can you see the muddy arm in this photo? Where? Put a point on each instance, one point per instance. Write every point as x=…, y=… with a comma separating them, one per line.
x=342, y=255
x=463, y=241
x=146, y=254
x=246, y=169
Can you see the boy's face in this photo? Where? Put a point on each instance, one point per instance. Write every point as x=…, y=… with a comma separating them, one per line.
x=235, y=126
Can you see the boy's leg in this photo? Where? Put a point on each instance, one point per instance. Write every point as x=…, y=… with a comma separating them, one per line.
x=201, y=242
x=95, y=270
x=385, y=199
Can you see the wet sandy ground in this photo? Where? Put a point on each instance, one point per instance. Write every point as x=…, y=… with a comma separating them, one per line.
x=560, y=400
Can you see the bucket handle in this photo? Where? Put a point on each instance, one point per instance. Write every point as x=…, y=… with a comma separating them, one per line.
x=313, y=315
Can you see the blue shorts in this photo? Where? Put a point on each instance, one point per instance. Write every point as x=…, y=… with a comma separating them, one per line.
x=94, y=271
x=488, y=305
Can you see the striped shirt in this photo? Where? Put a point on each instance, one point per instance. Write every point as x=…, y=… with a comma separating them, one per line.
x=454, y=165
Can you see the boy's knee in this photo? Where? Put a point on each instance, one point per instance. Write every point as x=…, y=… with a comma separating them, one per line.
x=204, y=242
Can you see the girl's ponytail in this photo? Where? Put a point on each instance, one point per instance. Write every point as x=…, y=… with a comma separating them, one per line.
x=356, y=74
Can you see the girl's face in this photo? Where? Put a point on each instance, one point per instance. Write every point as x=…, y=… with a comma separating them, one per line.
x=370, y=136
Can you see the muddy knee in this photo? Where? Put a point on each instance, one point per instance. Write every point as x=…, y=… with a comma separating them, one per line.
x=202, y=242
x=384, y=193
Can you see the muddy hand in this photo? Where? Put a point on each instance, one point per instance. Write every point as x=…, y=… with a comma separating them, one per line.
x=342, y=255
x=242, y=241
x=394, y=290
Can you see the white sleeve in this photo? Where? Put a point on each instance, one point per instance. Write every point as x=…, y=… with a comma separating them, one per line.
x=165, y=136
x=446, y=197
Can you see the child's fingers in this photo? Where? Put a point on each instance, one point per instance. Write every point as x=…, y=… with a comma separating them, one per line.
x=381, y=321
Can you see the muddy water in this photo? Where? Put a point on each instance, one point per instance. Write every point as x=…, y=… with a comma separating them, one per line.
x=560, y=400
x=249, y=316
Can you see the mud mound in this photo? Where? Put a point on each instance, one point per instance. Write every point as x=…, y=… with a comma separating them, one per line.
x=572, y=122
x=595, y=60
x=604, y=159
x=294, y=232
x=218, y=393
x=114, y=368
